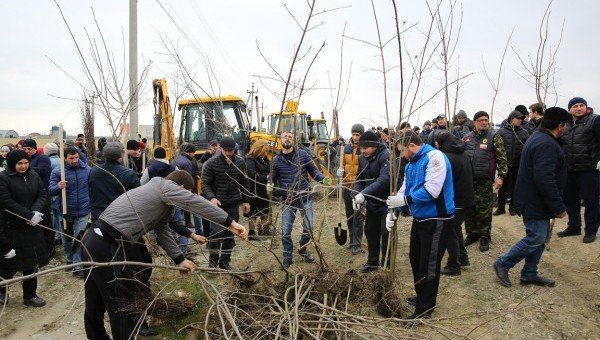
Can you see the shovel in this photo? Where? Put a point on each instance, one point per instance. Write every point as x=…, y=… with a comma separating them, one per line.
x=341, y=231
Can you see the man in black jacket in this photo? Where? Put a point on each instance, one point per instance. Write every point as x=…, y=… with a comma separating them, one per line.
x=581, y=144
x=514, y=137
x=464, y=198
x=224, y=185
x=110, y=179
x=538, y=197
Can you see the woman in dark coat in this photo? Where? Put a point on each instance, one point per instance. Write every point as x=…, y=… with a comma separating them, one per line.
x=22, y=193
x=257, y=169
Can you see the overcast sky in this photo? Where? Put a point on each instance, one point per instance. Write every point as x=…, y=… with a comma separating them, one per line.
x=226, y=33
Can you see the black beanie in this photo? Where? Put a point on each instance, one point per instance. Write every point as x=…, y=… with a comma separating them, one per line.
x=576, y=100
x=160, y=153
x=557, y=114
x=133, y=144
x=522, y=109
x=14, y=157
x=30, y=143
x=227, y=143
x=367, y=139
x=480, y=114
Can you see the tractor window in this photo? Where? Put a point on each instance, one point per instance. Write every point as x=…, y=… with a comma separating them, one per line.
x=322, y=133
x=196, y=124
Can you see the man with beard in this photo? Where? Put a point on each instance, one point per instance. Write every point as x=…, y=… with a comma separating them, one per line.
x=290, y=182
x=488, y=156
x=224, y=185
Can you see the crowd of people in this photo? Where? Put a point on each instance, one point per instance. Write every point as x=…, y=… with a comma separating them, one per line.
x=543, y=162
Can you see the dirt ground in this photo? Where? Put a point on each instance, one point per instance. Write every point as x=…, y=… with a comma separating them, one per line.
x=473, y=305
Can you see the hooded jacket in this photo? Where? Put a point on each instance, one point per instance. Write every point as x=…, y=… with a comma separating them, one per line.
x=427, y=187
x=462, y=171
x=373, y=179
x=78, y=196
x=22, y=194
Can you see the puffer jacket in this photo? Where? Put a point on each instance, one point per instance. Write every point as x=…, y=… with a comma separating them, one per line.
x=108, y=181
x=290, y=178
x=78, y=196
x=258, y=172
x=350, y=163
x=514, y=139
x=22, y=194
x=225, y=180
x=373, y=179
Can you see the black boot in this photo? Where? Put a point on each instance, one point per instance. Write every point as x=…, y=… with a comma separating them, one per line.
x=369, y=267
x=499, y=212
x=502, y=274
x=450, y=271
x=470, y=239
x=589, y=237
x=569, y=231
x=484, y=244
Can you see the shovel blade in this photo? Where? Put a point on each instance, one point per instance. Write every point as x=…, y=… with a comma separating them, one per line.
x=341, y=235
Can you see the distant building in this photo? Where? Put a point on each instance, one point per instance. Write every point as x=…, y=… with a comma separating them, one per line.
x=54, y=133
x=8, y=134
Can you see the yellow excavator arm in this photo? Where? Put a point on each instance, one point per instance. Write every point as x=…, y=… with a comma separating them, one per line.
x=163, y=119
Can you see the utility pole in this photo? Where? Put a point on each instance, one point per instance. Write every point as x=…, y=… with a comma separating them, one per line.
x=133, y=74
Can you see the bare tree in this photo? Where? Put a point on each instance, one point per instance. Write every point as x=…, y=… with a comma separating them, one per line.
x=540, y=71
x=495, y=83
x=107, y=77
x=87, y=123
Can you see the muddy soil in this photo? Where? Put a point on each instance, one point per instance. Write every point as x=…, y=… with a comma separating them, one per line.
x=473, y=304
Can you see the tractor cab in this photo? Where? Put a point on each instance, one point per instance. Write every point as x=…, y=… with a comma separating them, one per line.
x=206, y=118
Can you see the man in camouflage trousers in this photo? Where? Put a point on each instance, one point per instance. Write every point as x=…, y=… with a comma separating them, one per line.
x=488, y=155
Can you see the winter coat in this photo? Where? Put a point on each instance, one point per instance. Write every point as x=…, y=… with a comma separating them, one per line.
x=225, y=180
x=373, y=179
x=22, y=194
x=258, y=172
x=78, y=196
x=135, y=164
x=514, y=139
x=55, y=164
x=581, y=143
x=462, y=172
x=542, y=178
x=42, y=165
x=350, y=163
x=427, y=187
x=290, y=177
x=108, y=181
x=184, y=162
x=160, y=168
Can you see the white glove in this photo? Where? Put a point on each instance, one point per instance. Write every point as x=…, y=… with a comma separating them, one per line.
x=396, y=201
x=269, y=188
x=358, y=201
x=340, y=172
x=390, y=219
x=12, y=253
x=598, y=166
x=37, y=218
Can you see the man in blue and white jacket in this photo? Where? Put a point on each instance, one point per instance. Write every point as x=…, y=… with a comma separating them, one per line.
x=429, y=193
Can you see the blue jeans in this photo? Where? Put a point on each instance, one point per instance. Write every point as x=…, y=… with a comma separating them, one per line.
x=529, y=248
x=79, y=225
x=56, y=223
x=288, y=215
x=198, y=227
x=183, y=241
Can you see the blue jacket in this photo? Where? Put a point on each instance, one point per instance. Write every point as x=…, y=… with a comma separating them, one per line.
x=78, y=196
x=55, y=164
x=289, y=177
x=542, y=178
x=41, y=165
x=373, y=179
x=428, y=188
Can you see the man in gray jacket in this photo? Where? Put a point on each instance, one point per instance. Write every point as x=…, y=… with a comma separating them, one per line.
x=117, y=236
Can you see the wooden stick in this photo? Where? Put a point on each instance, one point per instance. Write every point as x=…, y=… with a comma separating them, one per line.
x=61, y=146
